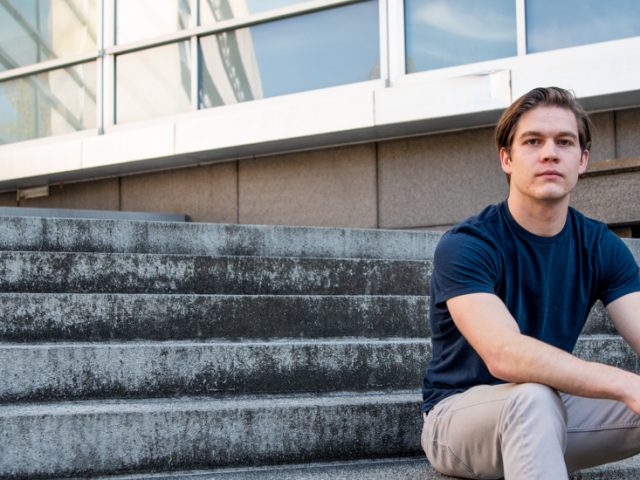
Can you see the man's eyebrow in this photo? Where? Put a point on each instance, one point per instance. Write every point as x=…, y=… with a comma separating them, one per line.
x=535, y=133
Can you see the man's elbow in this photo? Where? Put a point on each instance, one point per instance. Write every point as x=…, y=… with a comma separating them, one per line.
x=502, y=364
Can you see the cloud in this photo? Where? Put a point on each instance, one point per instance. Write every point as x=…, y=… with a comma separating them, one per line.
x=490, y=26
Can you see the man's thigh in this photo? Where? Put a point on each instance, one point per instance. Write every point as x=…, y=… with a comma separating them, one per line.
x=490, y=431
x=461, y=433
x=599, y=431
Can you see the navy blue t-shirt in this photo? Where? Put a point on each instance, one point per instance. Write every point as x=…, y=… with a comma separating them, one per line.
x=549, y=285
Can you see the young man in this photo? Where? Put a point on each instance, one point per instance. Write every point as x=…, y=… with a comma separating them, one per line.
x=510, y=293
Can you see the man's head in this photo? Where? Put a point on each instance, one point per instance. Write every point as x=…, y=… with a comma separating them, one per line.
x=538, y=97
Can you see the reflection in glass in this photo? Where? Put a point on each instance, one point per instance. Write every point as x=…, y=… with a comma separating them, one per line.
x=153, y=82
x=443, y=33
x=33, y=31
x=317, y=50
x=212, y=11
x=141, y=19
x=51, y=103
x=579, y=22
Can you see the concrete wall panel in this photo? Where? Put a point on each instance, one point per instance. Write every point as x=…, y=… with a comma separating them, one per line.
x=95, y=195
x=438, y=180
x=329, y=187
x=206, y=193
x=609, y=198
x=627, y=128
x=603, y=141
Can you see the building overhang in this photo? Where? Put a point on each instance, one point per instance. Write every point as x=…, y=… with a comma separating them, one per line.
x=603, y=76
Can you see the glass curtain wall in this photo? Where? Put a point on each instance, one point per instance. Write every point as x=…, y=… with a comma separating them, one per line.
x=58, y=100
x=446, y=33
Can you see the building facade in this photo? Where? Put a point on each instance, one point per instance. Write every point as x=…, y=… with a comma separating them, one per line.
x=375, y=113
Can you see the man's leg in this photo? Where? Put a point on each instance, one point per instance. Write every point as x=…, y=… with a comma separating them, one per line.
x=515, y=431
x=599, y=431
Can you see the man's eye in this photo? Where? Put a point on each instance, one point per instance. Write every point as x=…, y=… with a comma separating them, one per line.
x=565, y=142
x=532, y=141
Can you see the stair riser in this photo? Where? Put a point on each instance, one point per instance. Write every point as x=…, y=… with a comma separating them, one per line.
x=47, y=234
x=124, y=273
x=138, y=370
x=46, y=445
x=44, y=373
x=96, y=317
x=610, y=350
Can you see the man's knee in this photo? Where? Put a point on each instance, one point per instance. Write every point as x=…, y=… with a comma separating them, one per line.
x=537, y=403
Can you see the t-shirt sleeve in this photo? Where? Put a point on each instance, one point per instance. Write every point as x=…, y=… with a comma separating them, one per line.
x=463, y=263
x=621, y=274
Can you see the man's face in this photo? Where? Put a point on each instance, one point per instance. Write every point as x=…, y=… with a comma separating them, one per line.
x=545, y=158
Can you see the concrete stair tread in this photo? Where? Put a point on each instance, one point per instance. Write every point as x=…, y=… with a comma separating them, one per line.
x=105, y=437
x=95, y=317
x=223, y=402
x=159, y=273
x=411, y=468
x=31, y=233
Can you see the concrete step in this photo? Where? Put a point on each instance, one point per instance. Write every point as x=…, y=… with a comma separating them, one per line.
x=149, y=273
x=132, y=370
x=40, y=317
x=411, y=468
x=46, y=372
x=83, y=235
x=110, y=437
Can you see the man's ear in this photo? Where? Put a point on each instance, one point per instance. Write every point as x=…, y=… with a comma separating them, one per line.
x=584, y=162
x=505, y=160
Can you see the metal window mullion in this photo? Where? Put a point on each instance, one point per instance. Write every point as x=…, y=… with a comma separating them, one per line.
x=108, y=63
x=195, y=60
x=47, y=66
x=383, y=28
x=396, y=43
x=521, y=27
x=100, y=67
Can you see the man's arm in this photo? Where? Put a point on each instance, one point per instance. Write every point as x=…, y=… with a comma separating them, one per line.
x=486, y=323
x=625, y=314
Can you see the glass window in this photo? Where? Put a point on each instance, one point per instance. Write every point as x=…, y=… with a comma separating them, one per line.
x=33, y=31
x=153, y=82
x=212, y=11
x=444, y=33
x=50, y=103
x=317, y=50
x=552, y=24
x=141, y=19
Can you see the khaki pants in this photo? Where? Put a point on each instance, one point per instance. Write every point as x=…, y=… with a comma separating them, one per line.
x=526, y=431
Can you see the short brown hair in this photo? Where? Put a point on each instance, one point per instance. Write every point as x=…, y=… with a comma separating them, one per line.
x=542, y=96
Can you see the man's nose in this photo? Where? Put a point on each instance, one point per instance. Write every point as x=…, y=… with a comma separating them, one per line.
x=549, y=151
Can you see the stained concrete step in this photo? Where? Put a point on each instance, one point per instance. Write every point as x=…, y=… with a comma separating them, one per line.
x=411, y=468
x=149, y=273
x=110, y=437
x=73, y=371
x=82, y=235
x=40, y=317
x=130, y=370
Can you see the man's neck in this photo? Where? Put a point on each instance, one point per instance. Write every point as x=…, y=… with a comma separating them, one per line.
x=545, y=219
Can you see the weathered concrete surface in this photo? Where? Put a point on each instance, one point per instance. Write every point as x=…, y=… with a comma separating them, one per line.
x=37, y=317
x=111, y=370
x=188, y=274
x=91, y=214
x=412, y=468
x=23, y=233
x=82, y=438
